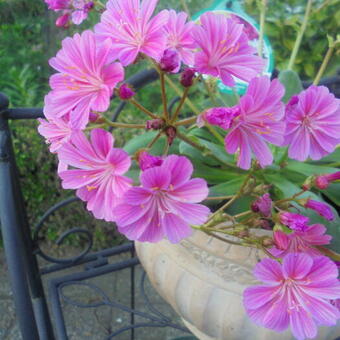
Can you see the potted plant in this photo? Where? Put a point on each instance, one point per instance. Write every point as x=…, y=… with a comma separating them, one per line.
x=227, y=196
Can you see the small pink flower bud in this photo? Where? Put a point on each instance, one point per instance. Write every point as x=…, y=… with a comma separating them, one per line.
x=221, y=116
x=321, y=208
x=89, y=6
x=63, y=20
x=154, y=124
x=263, y=205
x=170, y=61
x=125, y=92
x=147, y=161
x=171, y=134
x=93, y=117
x=323, y=181
x=187, y=77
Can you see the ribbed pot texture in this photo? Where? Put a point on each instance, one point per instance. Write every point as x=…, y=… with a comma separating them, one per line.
x=203, y=278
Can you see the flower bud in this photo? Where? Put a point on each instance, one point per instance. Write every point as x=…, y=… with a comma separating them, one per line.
x=263, y=205
x=187, y=77
x=154, y=124
x=320, y=208
x=295, y=222
x=89, y=6
x=147, y=161
x=171, y=134
x=125, y=92
x=323, y=181
x=170, y=61
x=63, y=20
x=93, y=117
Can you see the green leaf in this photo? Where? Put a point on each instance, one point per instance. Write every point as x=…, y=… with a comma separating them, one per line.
x=309, y=169
x=212, y=175
x=333, y=193
x=227, y=188
x=195, y=154
x=291, y=82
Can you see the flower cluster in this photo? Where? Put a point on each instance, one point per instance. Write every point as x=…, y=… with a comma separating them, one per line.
x=300, y=278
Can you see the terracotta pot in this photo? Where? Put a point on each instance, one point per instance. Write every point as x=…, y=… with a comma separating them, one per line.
x=203, y=278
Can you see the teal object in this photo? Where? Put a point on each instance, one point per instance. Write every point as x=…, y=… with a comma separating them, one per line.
x=235, y=7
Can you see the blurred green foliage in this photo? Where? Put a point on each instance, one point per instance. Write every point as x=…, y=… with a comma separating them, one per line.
x=283, y=20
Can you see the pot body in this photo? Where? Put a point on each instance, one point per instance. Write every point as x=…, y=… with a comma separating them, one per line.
x=203, y=279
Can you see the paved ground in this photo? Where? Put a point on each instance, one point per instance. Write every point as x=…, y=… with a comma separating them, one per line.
x=92, y=324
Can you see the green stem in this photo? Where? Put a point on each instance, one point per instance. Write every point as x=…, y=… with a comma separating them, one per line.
x=245, y=213
x=123, y=125
x=226, y=205
x=210, y=92
x=300, y=36
x=262, y=22
x=164, y=99
x=150, y=145
x=203, y=149
x=219, y=198
x=185, y=7
x=180, y=105
x=187, y=121
x=142, y=108
x=324, y=64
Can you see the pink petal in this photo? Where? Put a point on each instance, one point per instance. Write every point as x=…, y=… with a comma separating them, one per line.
x=180, y=169
x=302, y=324
x=268, y=271
x=193, y=191
x=175, y=228
x=155, y=178
x=102, y=142
x=256, y=296
x=296, y=266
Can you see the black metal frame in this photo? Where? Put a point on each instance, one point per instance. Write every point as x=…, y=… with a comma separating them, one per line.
x=21, y=246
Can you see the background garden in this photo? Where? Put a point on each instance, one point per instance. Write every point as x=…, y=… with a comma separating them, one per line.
x=28, y=38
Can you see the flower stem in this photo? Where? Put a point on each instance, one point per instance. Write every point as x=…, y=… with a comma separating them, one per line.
x=142, y=108
x=212, y=198
x=151, y=144
x=300, y=35
x=164, y=99
x=245, y=213
x=210, y=92
x=180, y=105
x=203, y=149
x=185, y=7
x=187, y=121
x=263, y=7
x=123, y=125
x=325, y=62
x=235, y=197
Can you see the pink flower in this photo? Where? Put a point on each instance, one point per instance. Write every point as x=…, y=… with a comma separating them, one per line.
x=257, y=119
x=313, y=124
x=129, y=25
x=225, y=51
x=98, y=171
x=58, y=5
x=165, y=204
x=323, y=181
x=85, y=81
x=300, y=241
x=247, y=27
x=57, y=131
x=76, y=9
x=321, y=208
x=179, y=36
x=295, y=222
x=296, y=293
x=263, y=205
x=147, y=161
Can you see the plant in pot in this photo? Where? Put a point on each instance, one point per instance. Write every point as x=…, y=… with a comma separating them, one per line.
x=228, y=197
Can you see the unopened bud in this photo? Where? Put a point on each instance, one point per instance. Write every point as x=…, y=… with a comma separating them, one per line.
x=170, y=61
x=93, y=117
x=63, y=21
x=187, y=77
x=308, y=183
x=125, y=92
x=154, y=124
x=171, y=134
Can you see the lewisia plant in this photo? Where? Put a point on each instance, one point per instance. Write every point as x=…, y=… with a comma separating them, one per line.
x=222, y=164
